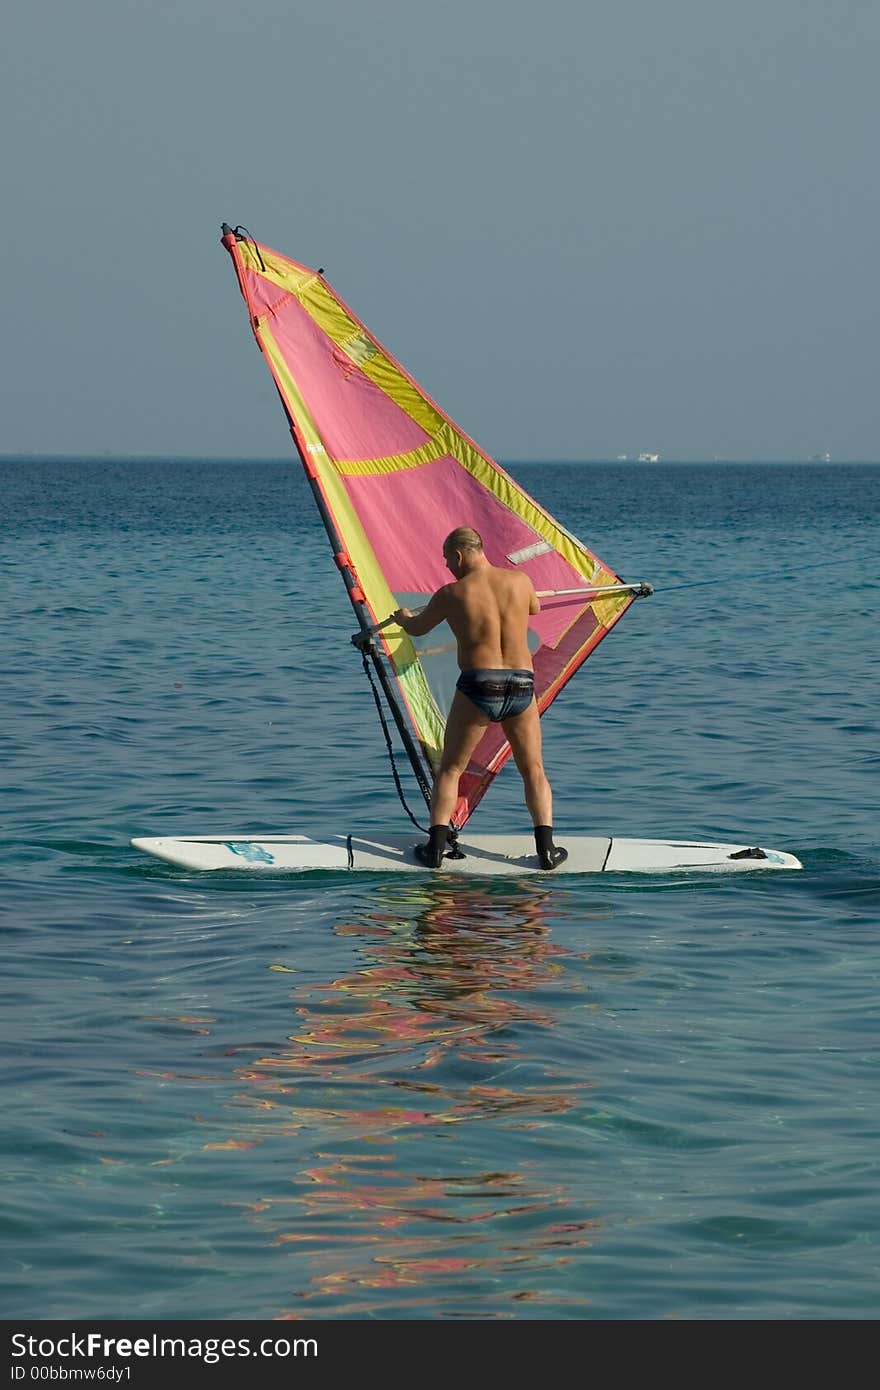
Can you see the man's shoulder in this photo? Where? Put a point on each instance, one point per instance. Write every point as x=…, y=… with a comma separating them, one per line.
x=511, y=576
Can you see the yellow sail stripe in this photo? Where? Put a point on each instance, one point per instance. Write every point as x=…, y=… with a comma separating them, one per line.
x=443, y=443
x=353, y=339
x=278, y=270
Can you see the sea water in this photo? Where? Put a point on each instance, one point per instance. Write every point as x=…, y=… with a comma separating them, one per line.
x=344, y=1097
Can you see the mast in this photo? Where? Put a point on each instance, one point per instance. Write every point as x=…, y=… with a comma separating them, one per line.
x=365, y=640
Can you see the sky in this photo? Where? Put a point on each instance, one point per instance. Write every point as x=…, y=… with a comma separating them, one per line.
x=587, y=228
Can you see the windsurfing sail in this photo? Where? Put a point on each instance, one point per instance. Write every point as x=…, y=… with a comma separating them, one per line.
x=392, y=475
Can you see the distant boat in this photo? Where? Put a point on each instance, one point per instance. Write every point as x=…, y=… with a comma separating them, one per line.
x=649, y=458
x=820, y=458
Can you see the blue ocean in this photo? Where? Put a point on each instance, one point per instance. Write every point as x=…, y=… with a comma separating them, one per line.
x=344, y=1096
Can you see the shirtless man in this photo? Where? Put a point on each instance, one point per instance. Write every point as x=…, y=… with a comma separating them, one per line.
x=488, y=610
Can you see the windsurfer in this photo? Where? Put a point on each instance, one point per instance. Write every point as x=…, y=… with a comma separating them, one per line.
x=488, y=609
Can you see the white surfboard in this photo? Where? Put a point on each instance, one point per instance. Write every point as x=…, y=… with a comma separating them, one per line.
x=485, y=855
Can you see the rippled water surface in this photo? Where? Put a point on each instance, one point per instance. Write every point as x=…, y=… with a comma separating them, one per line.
x=343, y=1096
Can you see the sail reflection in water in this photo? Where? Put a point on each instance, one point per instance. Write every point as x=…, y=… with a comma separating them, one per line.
x=386, y=1069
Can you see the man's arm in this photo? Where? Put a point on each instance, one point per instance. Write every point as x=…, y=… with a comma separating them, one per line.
x=431, y=616
x=534, y=601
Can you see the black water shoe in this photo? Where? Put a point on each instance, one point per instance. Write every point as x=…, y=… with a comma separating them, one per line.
x=550, y=856
x=431, y=854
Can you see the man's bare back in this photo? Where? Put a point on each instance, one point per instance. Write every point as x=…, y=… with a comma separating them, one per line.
x=488, y=610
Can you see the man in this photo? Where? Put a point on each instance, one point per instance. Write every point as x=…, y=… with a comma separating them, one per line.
x=488, y=609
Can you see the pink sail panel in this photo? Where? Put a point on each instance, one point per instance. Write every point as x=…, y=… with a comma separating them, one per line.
x=432, y=500
x=355, y=419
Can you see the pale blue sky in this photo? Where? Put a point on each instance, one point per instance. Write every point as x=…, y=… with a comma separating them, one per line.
x=587, y=228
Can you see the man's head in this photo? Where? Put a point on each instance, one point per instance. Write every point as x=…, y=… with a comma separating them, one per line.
x=461, y=547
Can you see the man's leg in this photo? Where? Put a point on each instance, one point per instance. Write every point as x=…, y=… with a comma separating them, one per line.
x=523, y=733
x=464, y=729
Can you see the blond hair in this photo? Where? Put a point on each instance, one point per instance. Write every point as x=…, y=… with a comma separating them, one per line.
x=463, y=538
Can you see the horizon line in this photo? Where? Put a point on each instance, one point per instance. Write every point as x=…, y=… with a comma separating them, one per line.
x=125, y=456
